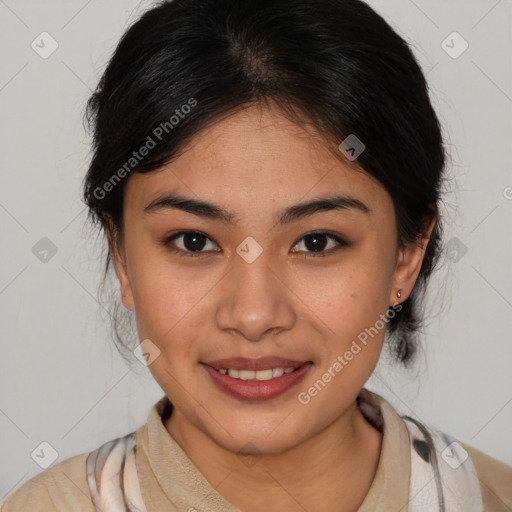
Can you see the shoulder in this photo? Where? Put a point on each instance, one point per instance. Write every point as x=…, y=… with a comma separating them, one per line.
x=60, y=487
x=495, y=479
x=105, y=476
x=468, y=478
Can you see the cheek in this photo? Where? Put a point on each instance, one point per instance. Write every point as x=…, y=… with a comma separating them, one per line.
x=352, y=306
x=170, y=300
x=348, y=296
x=168, y=312
x=351, y=302
x=165, y=305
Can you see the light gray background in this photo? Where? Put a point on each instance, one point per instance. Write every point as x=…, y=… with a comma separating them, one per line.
x=61, y=379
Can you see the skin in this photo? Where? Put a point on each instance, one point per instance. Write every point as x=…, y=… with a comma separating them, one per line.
x=287, y=302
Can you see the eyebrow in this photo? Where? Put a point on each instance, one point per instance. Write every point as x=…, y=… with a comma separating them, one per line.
x=286, y=216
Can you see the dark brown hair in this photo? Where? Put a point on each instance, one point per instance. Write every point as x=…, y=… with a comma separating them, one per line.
x=336, y=63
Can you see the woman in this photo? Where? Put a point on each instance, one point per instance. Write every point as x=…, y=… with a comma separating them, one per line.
x=268, y=177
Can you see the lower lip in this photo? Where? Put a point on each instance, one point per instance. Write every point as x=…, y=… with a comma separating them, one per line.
x=257, y=389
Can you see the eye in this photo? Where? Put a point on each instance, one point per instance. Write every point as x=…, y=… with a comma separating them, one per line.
x=317, y=241
x=191, y=243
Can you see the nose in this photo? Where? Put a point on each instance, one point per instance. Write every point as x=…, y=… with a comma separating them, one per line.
x=255, y=300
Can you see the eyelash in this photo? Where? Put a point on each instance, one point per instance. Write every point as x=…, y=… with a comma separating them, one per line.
x=167, y=242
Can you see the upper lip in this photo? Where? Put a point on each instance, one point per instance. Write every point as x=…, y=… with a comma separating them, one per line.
x=261, y=363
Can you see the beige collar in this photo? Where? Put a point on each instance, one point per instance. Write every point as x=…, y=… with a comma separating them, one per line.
x=168, y=477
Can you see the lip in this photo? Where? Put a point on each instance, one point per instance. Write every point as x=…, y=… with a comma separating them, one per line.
x=253, y=389
x=261, y=363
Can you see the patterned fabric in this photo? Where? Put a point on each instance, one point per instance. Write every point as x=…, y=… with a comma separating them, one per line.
x=443, y=478
x=112, y=477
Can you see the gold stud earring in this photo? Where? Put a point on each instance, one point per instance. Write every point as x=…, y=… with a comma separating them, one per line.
x=399, y=293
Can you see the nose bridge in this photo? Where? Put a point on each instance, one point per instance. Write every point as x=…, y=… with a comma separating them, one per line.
x=252, y=265
x=256, y=276
x=255, y=299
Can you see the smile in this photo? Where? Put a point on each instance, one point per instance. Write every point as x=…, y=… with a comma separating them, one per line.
x=262, y=384
x=268, y=374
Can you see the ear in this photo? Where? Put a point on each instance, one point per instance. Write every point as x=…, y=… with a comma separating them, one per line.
x=118, y=258
x=408, y=264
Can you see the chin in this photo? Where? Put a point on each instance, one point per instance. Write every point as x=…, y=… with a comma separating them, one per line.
x=257, y=439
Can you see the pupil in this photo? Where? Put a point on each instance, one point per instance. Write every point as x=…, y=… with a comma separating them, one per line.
x=191, y=243
x=316, y=245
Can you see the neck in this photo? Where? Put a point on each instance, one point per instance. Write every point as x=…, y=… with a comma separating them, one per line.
x=332, y=470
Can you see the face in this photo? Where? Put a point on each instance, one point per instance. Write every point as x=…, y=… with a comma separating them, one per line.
x=241, y=279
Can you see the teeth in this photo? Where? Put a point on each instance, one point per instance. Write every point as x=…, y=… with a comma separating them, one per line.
x=268, y=374
x=277, y=372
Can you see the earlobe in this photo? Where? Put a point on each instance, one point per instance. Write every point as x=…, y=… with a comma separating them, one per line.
x=408, y=266
x=126, y=292
x=119, y=266
x=127, y=301
x=124, y=283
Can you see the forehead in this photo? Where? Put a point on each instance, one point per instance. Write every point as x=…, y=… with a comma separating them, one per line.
x=256, y=156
